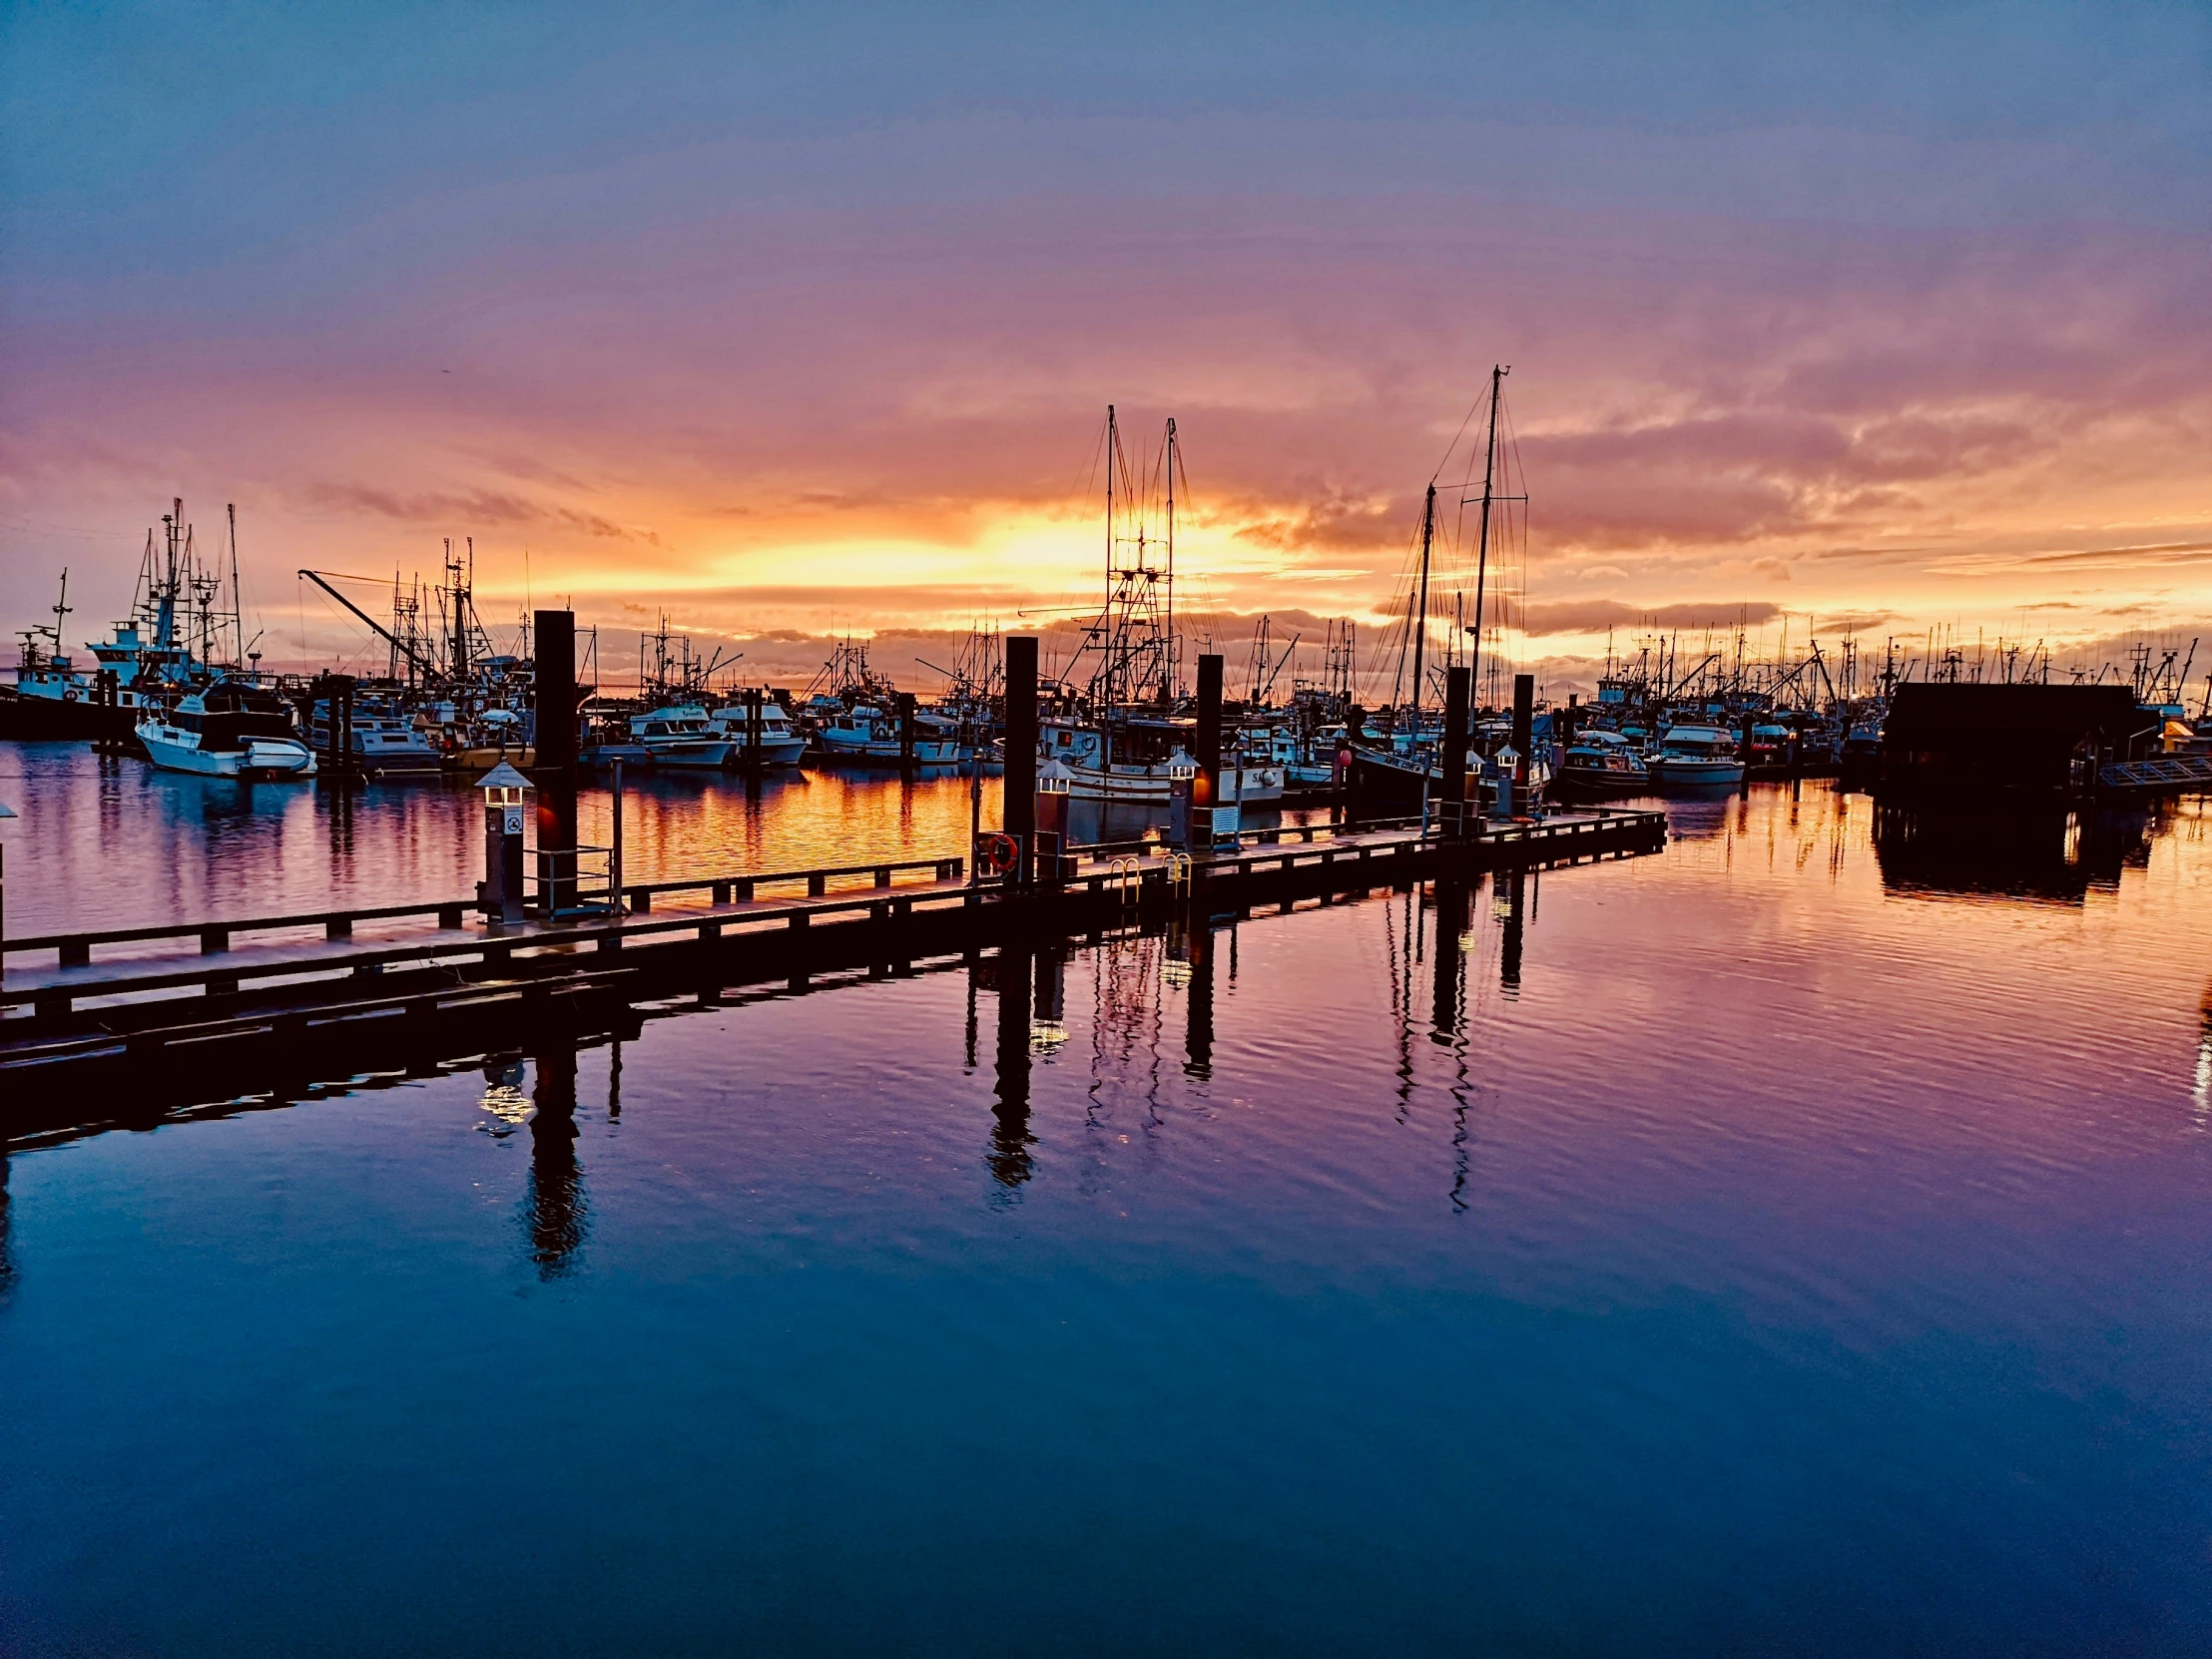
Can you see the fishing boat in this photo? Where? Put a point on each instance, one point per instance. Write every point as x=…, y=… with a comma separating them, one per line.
x=866, y=734
x=1702, y=757
x=384, y=740
x=781, y=744
x=229, y=729
x=147, y=661
x=1600, y=766
x=1143, y=761
x=681, y=736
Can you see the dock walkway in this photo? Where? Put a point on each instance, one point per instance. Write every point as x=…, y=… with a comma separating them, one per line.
x=172, y=1012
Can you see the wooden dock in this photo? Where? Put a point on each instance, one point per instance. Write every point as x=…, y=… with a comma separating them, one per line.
x=135, y=1020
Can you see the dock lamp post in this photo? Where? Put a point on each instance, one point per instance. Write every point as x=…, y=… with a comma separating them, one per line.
x=5, y=812
x=1509, y=769
x=500, y=893
x=1182, y=784
x=1053, y=820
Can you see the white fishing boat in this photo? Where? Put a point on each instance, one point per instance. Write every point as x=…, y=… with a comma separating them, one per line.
x=781, y=742
x=231, y=728
x=868, y=734
x=1146, y=756
x=1699, y=755
x=682, y=735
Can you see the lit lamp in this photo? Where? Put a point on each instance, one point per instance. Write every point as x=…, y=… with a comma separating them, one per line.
x=1182, y=786
x=500, y=893
x=1048, y=1018
x=1509, y=769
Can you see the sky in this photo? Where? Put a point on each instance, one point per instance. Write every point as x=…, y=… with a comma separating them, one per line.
x=790, y=320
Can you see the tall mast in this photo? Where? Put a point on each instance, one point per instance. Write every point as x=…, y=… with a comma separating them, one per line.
x=1482, y=554
x=1167, y=668
x=238, y=600
x=1113, y=457
x=1421, y=635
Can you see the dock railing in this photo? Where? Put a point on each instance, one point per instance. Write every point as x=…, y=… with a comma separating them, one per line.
x=75, y=950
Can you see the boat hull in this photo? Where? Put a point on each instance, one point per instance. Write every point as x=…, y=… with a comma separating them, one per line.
x=1578, y=783
x=1680, y=774
x=1252, y=786
x=36, y=719
x=691, y=753
x=261, y=759
x=928, y=752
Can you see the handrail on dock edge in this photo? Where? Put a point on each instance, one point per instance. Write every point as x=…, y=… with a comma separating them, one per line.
x=493, y=950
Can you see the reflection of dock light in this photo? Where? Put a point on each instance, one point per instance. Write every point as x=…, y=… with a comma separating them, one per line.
x=1046, y=1035
x=1174, y=974
x=1501, y=904
x=1466, y=942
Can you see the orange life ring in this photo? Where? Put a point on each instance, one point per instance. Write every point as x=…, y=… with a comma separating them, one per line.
x=995, y=854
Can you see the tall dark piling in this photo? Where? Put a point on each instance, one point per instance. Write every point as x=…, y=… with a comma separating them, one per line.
x=1206, y=787
x=1021, y=749
x=755, y=726
x=555, y=772
x=1525, y=736
x=906, y=732
x=1458, y=690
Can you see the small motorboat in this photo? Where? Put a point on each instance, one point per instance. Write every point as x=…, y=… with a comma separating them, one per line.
x=1697, y=757
x=228, y=729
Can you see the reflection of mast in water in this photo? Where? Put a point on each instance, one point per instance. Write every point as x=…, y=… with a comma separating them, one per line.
x=1129, y=1010
x=555, y=1206
x=1449, y=1017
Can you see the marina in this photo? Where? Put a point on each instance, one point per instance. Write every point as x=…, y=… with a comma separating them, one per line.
x=971, y=833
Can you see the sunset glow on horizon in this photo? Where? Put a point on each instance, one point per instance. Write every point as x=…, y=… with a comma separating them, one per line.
x=790, y=326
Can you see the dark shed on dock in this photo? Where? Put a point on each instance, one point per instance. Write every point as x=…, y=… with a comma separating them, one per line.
x=1967, y=740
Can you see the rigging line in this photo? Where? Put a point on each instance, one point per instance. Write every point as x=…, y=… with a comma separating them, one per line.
x=1456, y=437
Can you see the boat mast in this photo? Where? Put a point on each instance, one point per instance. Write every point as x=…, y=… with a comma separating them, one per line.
x=1420, y=637
x=1113, y=455
x=1167, y=667
x=1498, y=372
x=238, y=600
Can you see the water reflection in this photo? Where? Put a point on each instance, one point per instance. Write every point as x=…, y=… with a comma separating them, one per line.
x=2201, y=1094
x=2026, y=854
x=7, y=1244
x=554, y=1208
x=1009, y=1159
x=1512, y=909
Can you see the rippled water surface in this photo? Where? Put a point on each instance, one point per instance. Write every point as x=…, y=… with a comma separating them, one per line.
x=1793, y=1243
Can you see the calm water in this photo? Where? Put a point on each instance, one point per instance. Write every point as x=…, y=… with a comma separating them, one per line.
x=1783, y=1245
